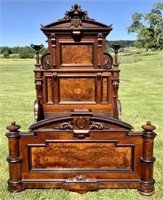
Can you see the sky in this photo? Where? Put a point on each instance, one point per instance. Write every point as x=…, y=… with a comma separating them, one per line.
x=20, y=19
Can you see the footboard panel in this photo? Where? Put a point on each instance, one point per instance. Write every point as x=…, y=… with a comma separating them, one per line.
x=63, y=153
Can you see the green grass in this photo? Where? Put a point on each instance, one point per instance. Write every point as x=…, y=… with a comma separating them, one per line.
x=141, y=95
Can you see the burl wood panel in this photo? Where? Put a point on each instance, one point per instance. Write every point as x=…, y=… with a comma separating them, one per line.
x=81, y=155
x=105, y=82
x=49, y=90
x=77, y=89
x=76, y=54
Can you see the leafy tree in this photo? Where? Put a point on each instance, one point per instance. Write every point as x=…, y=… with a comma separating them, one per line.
x=149, y=28
x=6, y=54
x=43, y=50
x=6, y=49
x=15, y=50
x=26, y=52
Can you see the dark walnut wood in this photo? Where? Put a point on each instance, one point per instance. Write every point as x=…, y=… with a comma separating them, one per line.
x=78, y=141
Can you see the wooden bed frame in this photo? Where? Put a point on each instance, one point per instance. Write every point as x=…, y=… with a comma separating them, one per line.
x=78, y=141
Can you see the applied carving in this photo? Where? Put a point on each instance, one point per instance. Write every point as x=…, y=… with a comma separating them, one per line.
x=76, y=15
x=66, y=126
x=76, y=23
x=78, y=178
x=107, y=61
x=38, y=83
x=115, y=84
x=45, y=61
x=97, y=126
x=81, y=122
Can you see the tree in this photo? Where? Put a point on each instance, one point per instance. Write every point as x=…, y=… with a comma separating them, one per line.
x=6, y=49
x=43, y=50
x=149, y=28
x=26, y=52
x=6, y=54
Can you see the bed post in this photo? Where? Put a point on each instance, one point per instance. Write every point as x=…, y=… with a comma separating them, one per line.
x=38, y=85
x=15, y=183
x=115, y=83
x=147, y=160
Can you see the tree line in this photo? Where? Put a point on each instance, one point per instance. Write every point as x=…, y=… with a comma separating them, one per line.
x=148, y=27
x=28, y=52
x=22, y=52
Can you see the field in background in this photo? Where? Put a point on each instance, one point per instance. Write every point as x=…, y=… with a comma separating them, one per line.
x=141, y=95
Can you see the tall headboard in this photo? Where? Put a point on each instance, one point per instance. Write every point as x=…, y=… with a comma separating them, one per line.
x=76, y=72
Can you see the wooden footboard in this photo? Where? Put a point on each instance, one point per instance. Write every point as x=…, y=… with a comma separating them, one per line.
x=81, y=153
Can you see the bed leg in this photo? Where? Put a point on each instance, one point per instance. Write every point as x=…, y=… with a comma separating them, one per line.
x=15, y=183
x=147, y=161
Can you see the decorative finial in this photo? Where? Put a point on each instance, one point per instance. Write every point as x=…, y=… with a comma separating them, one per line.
x=116, y=47
x=148, y=126
x=76, y=13
x=37, y=47
x=13, y=127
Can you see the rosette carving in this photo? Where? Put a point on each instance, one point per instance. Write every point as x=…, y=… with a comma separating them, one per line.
x=107, y=61
x=45, y=61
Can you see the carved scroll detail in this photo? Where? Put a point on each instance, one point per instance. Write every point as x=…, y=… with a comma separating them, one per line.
x=65, y=126
x=97, y=126
x=70, y=125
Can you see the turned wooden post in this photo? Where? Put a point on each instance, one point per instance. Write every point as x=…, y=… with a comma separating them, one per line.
x=52, y=41
x=147, y=160
x=100, y=50
x=116, y=47
x=115, y=82
x=38, y=73
x=38, y=83
x=15, y=183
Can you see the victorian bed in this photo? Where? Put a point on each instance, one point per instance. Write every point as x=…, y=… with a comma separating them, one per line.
x=78, y=141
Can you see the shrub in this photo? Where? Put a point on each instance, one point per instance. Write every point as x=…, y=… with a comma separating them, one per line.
x=6, y=54
x=14, y=55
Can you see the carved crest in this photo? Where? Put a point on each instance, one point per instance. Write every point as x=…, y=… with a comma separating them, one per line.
x=75, y=23
x=76, y=15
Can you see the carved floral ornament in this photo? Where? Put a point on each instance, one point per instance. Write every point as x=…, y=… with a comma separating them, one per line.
x=76, y=11
x=76, y=15
x=81, y=125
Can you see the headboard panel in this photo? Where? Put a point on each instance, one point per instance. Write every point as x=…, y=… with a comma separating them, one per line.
x=63, y=91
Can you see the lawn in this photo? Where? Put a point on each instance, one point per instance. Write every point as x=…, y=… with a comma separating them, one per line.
x=141, y=95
